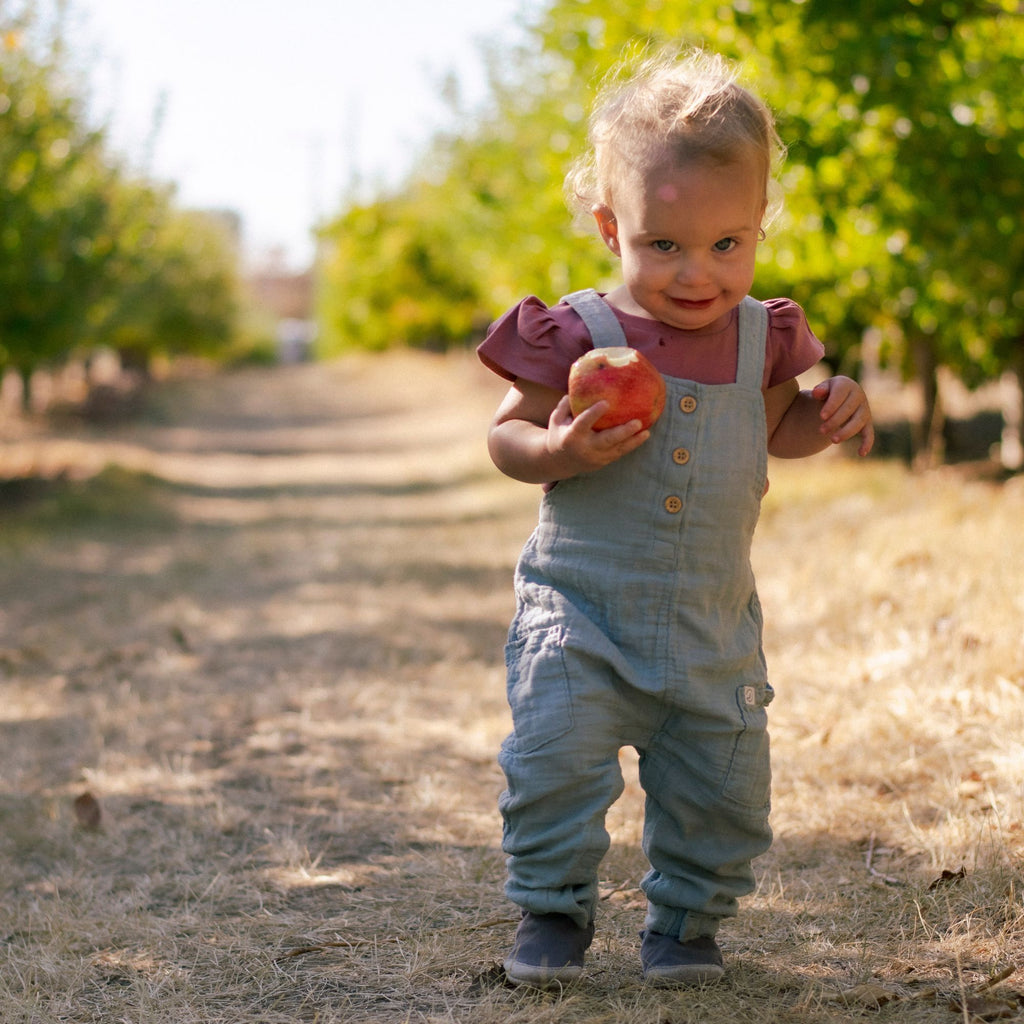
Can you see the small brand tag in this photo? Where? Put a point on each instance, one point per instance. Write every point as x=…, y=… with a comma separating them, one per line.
x=749, y=696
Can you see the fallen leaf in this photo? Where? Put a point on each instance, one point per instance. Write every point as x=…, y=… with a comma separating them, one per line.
x=986, y=1007
x=491, y=978
x=179, y=637
x=869, y=996
x=87, y=812
x=998, y=977
x=948, y=878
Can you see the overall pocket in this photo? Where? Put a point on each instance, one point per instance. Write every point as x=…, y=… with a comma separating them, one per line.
x=538, y=689
x=749, y=779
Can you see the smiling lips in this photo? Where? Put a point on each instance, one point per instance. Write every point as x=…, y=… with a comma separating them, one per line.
x=693, y=303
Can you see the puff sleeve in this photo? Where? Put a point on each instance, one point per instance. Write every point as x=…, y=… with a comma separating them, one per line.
x=792, y=348
x=536, y=343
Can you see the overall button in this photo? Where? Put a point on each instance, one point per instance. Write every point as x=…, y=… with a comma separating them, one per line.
x=688, y=404
x=681, y=456
x=673, y=504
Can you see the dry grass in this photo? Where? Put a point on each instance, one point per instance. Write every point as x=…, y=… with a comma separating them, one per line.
x=268, y=640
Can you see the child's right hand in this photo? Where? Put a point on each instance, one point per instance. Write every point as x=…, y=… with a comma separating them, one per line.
x=534, y=438
x=582, y=449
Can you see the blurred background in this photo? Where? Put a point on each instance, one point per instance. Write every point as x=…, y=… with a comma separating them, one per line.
x=291, y=182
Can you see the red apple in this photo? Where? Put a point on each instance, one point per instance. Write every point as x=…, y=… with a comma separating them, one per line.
x=623, y=377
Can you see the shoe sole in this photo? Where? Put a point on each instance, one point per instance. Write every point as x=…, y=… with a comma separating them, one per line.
x=540, y=977
x=684, y=974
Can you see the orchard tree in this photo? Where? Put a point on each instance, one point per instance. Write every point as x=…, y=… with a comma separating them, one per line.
x=90, y=255
x=56, y=192
x=390, y=276
x=176, y=285
x=930, y=164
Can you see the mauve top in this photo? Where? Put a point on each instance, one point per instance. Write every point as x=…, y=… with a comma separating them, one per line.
x=539, y=343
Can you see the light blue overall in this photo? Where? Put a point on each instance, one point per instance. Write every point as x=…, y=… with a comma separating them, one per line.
x=638, y=624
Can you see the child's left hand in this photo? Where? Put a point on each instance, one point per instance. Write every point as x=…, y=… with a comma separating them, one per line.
x=845, y=412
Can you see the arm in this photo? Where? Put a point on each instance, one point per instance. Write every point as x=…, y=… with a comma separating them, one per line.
x=802, y=423
x=534, y=438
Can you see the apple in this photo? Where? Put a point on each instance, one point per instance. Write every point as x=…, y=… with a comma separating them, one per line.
x=623, y=377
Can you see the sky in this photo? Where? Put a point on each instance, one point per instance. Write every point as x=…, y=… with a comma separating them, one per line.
x=274, y=108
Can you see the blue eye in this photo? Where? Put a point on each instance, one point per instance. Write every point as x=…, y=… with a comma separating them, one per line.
x=664, y=245
x=724, y=244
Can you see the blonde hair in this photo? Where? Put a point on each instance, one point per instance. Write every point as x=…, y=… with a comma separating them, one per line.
x=671, y=108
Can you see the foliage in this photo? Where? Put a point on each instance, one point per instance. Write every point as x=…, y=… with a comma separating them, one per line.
x=177, y=288
x=924, y=158
x=391, y=274
x=88, y=253
x=55, y=196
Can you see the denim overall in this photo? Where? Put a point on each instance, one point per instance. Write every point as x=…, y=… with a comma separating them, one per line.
x=638, y=624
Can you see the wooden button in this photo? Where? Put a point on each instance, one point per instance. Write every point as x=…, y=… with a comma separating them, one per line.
x=688, y=404
x=681, y=456
x=673, y=504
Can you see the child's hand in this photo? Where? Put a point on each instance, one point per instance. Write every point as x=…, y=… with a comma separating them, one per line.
x=580, y=447
x=845, y=412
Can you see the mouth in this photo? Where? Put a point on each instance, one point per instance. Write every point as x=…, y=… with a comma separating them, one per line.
x=693, y=303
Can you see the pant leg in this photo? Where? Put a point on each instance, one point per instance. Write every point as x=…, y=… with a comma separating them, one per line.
x=707, y=778
x=562, y=770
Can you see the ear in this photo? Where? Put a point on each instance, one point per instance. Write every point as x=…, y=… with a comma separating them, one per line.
x=608, y=227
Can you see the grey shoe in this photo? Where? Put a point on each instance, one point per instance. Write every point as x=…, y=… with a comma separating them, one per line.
x=548, y=950
x=667, y=961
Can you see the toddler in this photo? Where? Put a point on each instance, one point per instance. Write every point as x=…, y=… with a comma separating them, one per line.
x=637, y=621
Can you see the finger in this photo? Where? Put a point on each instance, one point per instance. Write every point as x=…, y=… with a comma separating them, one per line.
x=611, y=444
x=848, y=416
x=633, y=441
x=613, y=436
x=586, y=419
x=561, y=415
x=833, y=398
x=867, y=439
x=821, y=391
x=858, y=423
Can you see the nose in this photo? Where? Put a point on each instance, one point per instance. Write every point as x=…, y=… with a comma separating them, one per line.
x=692, y=268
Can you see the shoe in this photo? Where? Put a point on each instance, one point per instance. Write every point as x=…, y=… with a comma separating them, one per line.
x=667, y=961
x=548, y=950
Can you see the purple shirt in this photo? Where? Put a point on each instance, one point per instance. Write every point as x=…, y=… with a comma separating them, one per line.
x=539, y=344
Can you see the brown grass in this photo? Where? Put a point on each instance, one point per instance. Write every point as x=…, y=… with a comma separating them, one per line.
x=267, y=639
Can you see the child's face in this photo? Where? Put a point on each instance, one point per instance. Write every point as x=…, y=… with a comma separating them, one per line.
x=687, y=238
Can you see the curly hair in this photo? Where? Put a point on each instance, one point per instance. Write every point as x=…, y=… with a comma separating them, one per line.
x=672, y=108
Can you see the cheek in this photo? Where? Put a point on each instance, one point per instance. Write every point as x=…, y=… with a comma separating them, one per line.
x=640, y=269
x=742, y=275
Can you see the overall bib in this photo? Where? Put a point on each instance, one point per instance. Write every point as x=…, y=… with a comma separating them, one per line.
x=638, y=624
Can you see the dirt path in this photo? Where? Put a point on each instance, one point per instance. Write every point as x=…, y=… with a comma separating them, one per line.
x=265, y=525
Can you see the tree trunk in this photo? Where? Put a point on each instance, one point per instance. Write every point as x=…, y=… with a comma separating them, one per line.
x=1020, y=405
x=26, y=374
x=1011, y=390
x=927, y=435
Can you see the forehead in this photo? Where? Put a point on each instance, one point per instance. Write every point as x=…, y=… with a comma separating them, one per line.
x=734, y=189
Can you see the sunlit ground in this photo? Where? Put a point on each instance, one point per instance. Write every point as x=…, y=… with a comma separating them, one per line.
x=267, y=638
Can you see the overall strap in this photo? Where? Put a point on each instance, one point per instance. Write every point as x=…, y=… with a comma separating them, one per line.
x=753, y=340
x=605, y=329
